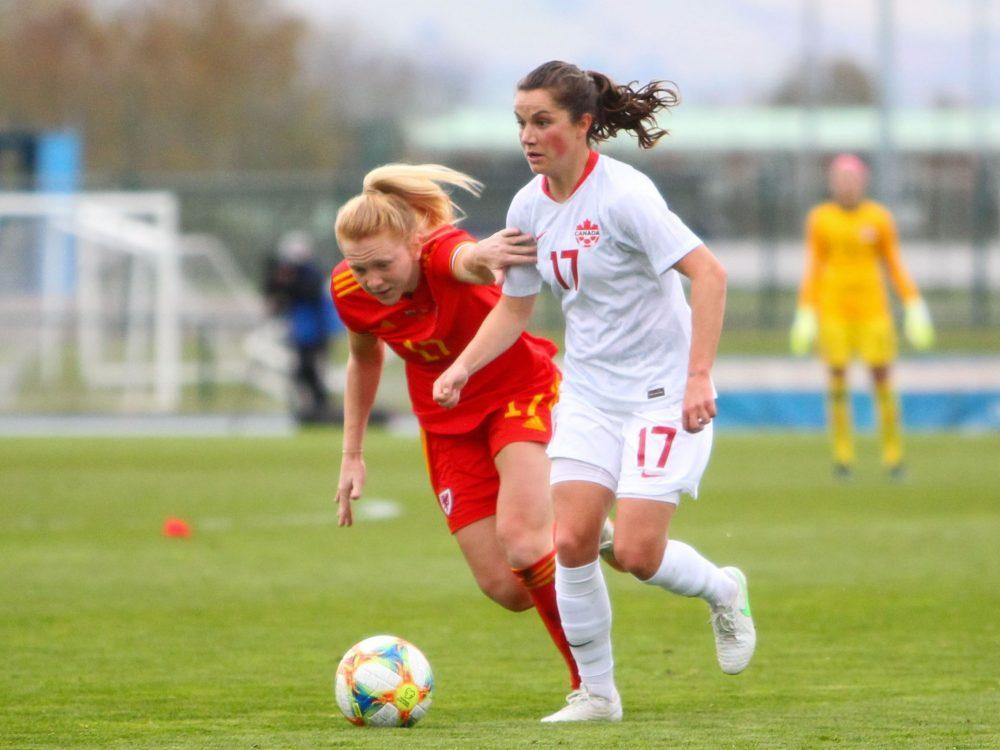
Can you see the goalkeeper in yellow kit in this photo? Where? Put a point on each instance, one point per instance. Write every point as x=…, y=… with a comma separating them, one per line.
x=851, y=244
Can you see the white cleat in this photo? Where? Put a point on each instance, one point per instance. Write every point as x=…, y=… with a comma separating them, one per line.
x=735, y=635
x=607, y=545
x=581, y=705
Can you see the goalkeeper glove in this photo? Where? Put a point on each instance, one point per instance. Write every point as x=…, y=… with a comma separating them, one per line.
x=917, y=325
x=803, y=332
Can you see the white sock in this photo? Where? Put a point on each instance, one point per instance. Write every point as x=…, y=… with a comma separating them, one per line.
x=683, y=571
x=585, y=611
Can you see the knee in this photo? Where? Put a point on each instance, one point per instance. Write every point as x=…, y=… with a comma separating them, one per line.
x=506, y=591
x=574, y=547
x=522, y=542
x=880, y=375
x=641, y=560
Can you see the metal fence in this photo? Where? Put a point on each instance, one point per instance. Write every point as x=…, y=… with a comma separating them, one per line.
x=748, y=206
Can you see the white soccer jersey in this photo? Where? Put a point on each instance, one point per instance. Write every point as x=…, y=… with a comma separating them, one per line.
x=607, y=252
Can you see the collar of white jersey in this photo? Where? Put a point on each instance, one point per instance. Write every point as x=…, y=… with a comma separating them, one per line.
x=591, y=163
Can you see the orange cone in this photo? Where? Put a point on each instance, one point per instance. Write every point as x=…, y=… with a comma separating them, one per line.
x=176, y=527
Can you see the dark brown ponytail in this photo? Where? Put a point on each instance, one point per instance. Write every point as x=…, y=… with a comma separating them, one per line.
x=632, y=109
x=614, y=107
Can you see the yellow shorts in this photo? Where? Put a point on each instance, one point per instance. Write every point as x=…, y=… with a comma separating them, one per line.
x=871, y=339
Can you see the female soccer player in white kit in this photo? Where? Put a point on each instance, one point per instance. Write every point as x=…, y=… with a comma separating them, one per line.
x=634, y=419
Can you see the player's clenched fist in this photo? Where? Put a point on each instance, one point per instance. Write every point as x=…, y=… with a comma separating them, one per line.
x=448, y=386
x=699, y=403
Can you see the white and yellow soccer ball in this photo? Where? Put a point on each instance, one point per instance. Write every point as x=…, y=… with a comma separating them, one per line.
x=384, y=681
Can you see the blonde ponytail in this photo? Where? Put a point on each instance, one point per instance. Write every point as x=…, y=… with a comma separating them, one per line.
x=403, y=199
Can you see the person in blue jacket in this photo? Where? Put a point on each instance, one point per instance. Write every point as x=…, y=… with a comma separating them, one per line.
x=295, y=287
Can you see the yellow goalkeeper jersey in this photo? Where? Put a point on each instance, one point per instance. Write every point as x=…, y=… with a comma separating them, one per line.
x=849, y=250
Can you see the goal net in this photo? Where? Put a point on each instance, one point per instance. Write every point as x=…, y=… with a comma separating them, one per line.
x=106, y=307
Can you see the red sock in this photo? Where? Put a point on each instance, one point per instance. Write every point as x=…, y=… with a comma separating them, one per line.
x=540, y=580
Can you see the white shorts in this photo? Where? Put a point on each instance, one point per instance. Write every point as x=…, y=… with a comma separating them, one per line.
x=646, y=452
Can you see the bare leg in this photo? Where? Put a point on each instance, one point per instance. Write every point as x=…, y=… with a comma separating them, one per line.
x=524, y=530
x=488, y=563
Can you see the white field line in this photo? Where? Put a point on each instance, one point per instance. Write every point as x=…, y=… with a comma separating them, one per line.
x=366, y=509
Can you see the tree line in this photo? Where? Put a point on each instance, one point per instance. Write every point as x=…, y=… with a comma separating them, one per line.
x=213, y=86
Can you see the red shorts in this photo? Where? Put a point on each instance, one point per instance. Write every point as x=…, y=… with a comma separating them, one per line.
x=461, y=468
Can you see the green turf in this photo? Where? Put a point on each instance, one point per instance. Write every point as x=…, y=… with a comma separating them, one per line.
x=876, y=603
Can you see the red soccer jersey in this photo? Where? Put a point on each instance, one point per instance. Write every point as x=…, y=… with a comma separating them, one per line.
x=431, y=326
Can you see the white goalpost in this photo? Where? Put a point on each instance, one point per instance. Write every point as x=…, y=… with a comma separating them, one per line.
x=87, y=245
x=144, y=228
x=105, y=280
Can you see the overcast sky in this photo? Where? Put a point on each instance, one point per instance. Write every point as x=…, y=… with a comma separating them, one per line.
x=717, y=51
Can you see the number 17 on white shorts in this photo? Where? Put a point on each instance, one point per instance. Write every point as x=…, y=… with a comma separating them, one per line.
x=646, y=452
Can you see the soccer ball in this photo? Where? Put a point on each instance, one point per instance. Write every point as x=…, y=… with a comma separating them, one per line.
x=384, y=681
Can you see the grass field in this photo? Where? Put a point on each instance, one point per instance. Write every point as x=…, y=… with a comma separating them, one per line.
x=876, y=603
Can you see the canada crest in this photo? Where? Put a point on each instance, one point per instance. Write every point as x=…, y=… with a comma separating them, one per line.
x=588, y=234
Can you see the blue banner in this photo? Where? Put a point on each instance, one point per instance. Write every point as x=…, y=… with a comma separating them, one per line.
x=937, y=410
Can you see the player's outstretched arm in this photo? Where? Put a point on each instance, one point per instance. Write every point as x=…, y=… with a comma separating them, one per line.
x=917, y=324
x=502, y=327
x=708, y=307
x=480, y=263
x=364, y=370
x=805, y=326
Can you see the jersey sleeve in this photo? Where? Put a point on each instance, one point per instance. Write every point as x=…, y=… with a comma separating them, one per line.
x=440, y=260
x=343, y=288
x=520, y=281
x=649, y=227
x=809, y=291
x=518, y=213
x=889, y=246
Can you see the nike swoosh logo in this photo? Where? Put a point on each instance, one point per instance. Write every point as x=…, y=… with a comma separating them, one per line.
x=539, y=236
x=580, y=645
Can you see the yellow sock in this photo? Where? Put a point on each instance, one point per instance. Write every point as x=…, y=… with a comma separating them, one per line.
x=888, y=421
x=840, y=420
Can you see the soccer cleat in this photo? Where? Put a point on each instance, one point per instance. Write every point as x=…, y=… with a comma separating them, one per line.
x=607, y=547
x=582, y=705
x=735, y=635
x=841, y=472
x=897, y=472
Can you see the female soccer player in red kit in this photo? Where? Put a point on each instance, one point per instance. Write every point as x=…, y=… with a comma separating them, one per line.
x=412, y=280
